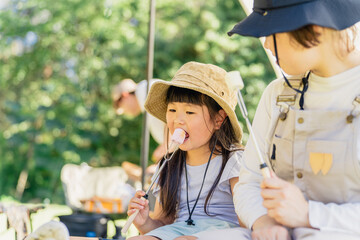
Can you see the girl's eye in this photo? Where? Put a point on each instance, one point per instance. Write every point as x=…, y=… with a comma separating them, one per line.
x=188, y=112
x=172, y=110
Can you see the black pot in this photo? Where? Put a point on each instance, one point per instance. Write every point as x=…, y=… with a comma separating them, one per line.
x=86, y=225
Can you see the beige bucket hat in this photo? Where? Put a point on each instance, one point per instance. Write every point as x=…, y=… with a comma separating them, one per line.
x=204, y=78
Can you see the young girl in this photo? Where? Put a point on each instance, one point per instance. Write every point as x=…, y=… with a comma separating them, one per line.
x=307, y=126
x=194, y=190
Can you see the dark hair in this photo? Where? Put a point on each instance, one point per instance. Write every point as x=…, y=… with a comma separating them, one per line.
x=308, y=37
x=224, y=138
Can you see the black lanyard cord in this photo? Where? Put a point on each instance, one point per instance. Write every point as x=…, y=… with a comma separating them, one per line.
x=189, y=221
x=305, y=80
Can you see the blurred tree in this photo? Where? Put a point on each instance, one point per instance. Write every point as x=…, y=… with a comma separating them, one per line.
x=59, y=60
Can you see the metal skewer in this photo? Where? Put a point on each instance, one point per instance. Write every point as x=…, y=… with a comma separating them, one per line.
x=235, y=82
x=173, y=147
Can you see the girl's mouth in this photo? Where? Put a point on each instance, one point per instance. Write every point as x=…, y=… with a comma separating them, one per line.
x=186, y=136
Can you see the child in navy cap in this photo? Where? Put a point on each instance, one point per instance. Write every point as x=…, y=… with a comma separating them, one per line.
x=307, y=124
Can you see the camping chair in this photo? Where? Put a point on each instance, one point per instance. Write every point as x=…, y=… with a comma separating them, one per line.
x=95, y=195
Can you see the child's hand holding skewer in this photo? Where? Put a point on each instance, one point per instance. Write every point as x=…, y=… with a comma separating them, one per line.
x=138, y=203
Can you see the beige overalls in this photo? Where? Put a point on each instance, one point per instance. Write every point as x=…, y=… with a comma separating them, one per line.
x=318, y=151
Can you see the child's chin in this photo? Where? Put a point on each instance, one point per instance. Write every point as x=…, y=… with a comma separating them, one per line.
x=183, y=148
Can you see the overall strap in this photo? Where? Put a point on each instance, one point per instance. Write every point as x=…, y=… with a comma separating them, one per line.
x=286, y=99
x=355, y=111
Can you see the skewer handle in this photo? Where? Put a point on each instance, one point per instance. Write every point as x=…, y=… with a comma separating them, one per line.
x=129, y=221
x=132, y=217
x=265, y=171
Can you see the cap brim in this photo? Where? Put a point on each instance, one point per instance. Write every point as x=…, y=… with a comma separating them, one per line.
x=332, y=14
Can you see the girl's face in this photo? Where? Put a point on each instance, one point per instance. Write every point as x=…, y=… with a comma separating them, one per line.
x=293, y=58
x=196, y=122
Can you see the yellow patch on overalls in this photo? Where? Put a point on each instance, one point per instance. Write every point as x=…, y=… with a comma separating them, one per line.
x=320, y=161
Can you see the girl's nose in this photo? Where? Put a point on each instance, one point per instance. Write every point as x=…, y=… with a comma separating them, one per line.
x=179, y=119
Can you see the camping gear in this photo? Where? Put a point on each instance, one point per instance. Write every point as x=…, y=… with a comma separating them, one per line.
x=93, y=189
x=86, y=225
x=96, y=195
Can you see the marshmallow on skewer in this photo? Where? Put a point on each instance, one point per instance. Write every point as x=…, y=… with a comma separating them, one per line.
x=178, y=136
x=177, y=139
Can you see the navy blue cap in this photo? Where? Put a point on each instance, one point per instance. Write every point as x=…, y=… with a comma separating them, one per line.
x=276, y=16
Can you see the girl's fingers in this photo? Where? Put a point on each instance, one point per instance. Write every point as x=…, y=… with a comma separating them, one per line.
x=133, y=205
x=140, y=201
x=138, y=204
x=139, y=193
x=146, y=202
x=131, y=212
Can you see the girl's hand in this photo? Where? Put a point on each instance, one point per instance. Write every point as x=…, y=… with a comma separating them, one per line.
x=275, y=232
x=141, y=204
x=285, y=202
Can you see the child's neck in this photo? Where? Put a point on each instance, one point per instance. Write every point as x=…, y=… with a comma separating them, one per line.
x=198, y=156
x=335, y=65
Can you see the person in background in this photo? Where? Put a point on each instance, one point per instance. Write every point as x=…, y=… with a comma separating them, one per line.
x=128, y=99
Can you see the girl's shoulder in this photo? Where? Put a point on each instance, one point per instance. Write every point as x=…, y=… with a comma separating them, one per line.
x=236, y=154
x=234, y=161
x=231, y=170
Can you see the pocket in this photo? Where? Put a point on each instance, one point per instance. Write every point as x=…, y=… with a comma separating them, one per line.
x=325, y=158
x=282, y=157
x=324, y=168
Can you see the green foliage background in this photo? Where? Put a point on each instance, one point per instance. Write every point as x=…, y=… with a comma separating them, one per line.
x=59, y=60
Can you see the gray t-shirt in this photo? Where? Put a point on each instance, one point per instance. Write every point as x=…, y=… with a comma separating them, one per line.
x=221, y=204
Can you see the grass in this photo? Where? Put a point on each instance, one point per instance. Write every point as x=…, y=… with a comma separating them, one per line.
x=50, y=212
